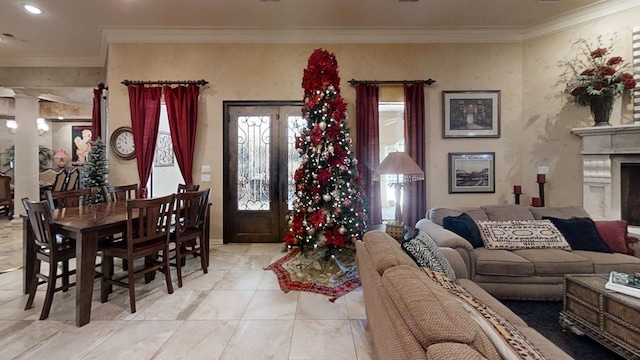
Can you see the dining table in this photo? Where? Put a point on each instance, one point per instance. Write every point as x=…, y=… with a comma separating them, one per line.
x=86, y=224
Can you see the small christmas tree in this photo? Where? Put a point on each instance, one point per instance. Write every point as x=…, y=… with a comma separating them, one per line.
x=329, y=208
x=94, y=172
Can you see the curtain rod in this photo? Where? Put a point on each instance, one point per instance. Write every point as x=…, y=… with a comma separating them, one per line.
x=165, y=82
x=390, y=82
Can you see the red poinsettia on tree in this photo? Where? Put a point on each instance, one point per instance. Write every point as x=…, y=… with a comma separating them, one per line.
x=329, y=205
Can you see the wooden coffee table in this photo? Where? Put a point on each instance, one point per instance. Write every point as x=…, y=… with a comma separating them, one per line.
x=610, y=318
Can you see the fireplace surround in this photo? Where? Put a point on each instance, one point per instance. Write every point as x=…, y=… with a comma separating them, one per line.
x=609, y=156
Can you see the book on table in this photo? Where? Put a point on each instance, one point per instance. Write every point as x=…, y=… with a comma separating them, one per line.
x=628, y=284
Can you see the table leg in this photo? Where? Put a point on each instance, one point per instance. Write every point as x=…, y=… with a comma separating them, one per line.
x=28, y=255
x=86, y=249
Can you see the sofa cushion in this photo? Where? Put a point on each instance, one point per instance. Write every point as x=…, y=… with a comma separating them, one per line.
x=464, y=226
x=431, y=313
x=615, y=234
x=564, y=212
x=507, y=339
x=604, y=263
x=501, y=262
x=436, y=214
x=555, y=262
x=385, y=251
x=507, y=212
x=521, y=234
x=447, y=351
x=426, y=253
x=580, y=233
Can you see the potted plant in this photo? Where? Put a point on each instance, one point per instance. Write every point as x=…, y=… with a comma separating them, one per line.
x=596, y=78
x=45, y=157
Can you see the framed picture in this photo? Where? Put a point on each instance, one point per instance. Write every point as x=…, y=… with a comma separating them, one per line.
x=164, y=150
x=80, y=146
x=471, y=114
x=472, y=172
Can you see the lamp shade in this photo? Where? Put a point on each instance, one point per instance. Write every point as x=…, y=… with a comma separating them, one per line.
x=61, y=154
x=399, y=163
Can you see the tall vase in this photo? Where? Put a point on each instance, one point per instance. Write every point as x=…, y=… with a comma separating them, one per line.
x=601, y=109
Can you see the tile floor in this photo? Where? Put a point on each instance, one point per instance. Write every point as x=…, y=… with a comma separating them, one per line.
x=236, y=311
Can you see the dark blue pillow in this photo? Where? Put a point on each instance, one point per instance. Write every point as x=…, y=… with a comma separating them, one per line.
x=580, y=233
x=464, y=226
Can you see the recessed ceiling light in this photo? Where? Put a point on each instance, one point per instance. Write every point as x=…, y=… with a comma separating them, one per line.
x=32, y=9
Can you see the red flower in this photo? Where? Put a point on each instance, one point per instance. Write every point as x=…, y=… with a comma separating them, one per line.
x=598, y=53
x=628, y=81
x=317, y=219
x=324, y=175
x=316, y=135
x=588, y=72
x=607, y=71
x=614, y=60
x=298, y=174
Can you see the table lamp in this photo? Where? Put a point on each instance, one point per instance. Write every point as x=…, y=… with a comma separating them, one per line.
x=61, y=155
x=405, y=170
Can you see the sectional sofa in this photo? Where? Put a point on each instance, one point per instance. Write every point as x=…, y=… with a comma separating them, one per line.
x=532, y=273
x=416, y=313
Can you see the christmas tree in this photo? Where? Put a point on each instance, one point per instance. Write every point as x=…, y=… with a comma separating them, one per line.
x=94, y=172
x=329, y=205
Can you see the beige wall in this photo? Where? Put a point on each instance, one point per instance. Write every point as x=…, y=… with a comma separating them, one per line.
x=535, y=121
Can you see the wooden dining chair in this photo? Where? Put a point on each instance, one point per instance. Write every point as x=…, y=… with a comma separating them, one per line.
x=189, y=232
x=121, y=192
x=187, y=188
x=6, y=195
x=70, y=198
x=50, y=248
x=59, y=181
x=73, y=180
x=148, y=230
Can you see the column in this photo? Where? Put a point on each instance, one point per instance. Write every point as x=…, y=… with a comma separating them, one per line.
x=26, y=150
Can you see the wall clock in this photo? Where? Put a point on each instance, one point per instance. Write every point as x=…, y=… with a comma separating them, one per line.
x=122, y=143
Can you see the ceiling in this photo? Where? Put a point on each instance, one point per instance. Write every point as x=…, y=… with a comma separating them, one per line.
x=76, y=32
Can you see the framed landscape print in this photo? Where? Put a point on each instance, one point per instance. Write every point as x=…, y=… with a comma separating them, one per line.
x=472, y=172
x=164, y=150
x=471, y=114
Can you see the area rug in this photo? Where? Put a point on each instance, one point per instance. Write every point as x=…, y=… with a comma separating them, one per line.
x=543, y=316
x=313, y=271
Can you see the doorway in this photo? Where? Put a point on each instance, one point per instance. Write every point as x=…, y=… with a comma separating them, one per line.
x=260, y=158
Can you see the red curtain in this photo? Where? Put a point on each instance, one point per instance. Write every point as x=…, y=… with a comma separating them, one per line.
x=96, y=118
x=144, y=103
x=182, y=111
x=368, y=146
x=414, y=204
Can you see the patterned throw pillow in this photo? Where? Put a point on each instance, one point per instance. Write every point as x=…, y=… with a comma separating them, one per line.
x=521, y=234
x=519, y=345
x=425, y=252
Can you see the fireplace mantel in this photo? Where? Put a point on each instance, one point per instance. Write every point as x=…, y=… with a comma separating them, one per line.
x=604, y=149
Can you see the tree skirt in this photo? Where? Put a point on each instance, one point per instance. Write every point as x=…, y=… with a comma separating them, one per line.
x=309, y=271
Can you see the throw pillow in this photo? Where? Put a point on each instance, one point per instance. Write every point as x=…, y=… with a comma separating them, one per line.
x=614, y=233
x=521, y=234
x=580, y=233
x=497, y=328
x=464, y=226
x=425, y=252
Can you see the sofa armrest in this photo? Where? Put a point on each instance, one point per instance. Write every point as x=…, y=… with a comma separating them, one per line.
x=442, y=236
x=456, y=261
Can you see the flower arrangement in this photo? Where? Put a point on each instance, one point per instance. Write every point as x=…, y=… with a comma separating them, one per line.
x=594, y=74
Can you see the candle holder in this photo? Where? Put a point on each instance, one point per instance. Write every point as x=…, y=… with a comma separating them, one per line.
x=517, y=191
x=541, y=179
